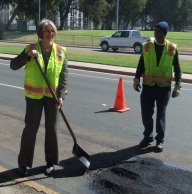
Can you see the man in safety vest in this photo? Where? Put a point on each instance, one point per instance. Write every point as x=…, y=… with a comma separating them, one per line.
x=158, y=60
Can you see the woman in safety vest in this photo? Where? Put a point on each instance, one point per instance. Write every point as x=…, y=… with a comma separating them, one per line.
x=52, y=58
x=158, y=60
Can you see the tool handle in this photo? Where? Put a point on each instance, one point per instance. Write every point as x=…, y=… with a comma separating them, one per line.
x=68, y=126
x=56, y=100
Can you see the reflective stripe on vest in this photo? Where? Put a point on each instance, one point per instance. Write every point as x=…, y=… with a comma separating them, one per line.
x=158, y=74
x=38, y=89
x=35, y=85
x=165, y=80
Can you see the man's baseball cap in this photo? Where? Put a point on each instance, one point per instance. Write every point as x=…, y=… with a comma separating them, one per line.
x=163, y=26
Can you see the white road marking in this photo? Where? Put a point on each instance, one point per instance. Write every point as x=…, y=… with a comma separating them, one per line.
x=4, y=64
x=11, y=86
x=99, y=77
x=95, y=76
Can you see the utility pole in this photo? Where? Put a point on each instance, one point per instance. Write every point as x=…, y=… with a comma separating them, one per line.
x=39, y=11
x=117, y=15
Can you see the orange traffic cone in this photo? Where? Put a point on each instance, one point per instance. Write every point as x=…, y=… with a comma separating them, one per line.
x=120, y=104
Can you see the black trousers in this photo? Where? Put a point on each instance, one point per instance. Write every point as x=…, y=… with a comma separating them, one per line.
x=33, y=115
x=149, y=96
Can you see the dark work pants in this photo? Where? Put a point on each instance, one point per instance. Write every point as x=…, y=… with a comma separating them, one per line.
x=33, y=115
x=149, y=96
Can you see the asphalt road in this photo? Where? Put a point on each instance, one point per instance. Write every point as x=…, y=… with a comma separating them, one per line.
x=107, y=136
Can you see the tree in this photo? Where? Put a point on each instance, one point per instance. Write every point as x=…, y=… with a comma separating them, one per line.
x=28, y=10
x=64, y=8
x=102, y=13
x=176, y=12
x=48, y=9
x=131, y=11
x=97, y=10
x=182, y=14
x=109, y=15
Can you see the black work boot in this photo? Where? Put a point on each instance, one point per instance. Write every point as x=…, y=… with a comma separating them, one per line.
x=145, y=142
x=24, y=170
x=49, y=170
x=159, y=147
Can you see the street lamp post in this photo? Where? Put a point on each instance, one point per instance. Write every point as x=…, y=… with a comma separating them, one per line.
x=117, y=15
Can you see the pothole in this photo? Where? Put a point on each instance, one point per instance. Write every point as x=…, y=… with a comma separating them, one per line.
x=111, y=186
x=144, y=175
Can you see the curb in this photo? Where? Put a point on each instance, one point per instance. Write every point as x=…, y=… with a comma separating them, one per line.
x=5, y=58
x=101, y=70
x=186, y=78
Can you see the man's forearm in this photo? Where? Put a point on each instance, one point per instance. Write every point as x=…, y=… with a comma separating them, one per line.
x=177, y=69
x=140, y=68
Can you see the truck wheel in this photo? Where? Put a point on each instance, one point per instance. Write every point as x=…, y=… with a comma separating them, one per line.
x=115, y=49
x=104, y=46
x=137, y=48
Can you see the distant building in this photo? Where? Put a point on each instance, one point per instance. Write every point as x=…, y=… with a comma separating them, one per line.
x=75, y=18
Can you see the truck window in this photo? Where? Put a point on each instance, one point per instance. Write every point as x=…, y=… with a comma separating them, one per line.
x=117, y=34
x=125, y=34
x=136, y=34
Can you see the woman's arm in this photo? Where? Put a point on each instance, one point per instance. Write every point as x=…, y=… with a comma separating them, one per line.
x=62, y=87
x=19, y=61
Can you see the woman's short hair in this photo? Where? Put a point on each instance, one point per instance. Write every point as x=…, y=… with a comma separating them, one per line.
x=43, y=24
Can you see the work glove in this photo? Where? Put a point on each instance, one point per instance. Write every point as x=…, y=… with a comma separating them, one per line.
x=176, y=91
x=136, y=84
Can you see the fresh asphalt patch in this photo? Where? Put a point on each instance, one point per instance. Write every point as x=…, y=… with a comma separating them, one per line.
x=142, y=175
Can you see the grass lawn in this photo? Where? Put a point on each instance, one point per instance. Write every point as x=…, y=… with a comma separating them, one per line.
x=92, y=37
x=100, y=58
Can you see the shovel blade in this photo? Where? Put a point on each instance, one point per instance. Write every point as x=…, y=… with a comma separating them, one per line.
x=81, y=155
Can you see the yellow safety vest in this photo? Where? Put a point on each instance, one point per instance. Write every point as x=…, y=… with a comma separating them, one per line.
x=35, y=85
x=158, y=74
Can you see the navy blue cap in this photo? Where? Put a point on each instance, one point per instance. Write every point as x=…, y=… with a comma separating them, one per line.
x=163, y=26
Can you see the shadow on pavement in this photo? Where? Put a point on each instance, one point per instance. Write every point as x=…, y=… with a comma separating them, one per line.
x=72, y=167
x=107, y=110
x=8, y=176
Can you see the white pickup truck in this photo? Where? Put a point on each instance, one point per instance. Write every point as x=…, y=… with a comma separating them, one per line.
x=124, y=39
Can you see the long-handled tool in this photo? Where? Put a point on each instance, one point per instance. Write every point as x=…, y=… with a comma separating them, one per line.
x=77, y=150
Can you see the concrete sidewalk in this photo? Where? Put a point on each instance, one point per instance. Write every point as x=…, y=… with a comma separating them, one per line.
x=187, y=78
